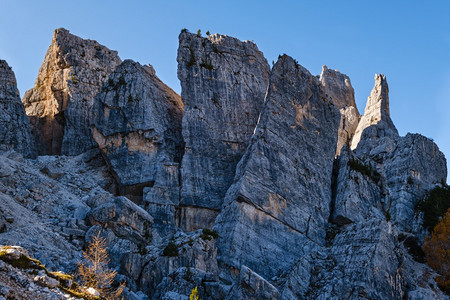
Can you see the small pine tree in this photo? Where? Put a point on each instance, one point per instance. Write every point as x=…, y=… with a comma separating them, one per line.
x=199, y=33
x=94, y=271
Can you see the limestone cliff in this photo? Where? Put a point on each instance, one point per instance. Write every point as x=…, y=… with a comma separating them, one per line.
x=223, y=82
x=339, y=89
x=307, y=200
x=137, y=125
x=59, y=106
x=14, y=125
x=280, y=199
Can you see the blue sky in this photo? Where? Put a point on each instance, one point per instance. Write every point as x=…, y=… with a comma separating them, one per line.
x=408, y=41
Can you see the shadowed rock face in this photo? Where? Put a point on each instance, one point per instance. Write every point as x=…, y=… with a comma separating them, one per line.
x=14, y=125
x=278, y=205
x=59, y=106
x=223, y=81
x=339, y=89
x=137, y=125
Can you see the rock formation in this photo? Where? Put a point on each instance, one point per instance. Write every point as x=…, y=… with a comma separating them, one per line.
x=137, y=125
x=14, y=125
x=223, y=83
x=59, y=106
x=338, y=87
x=280, y=199
x=376, y=113
x=262, y=161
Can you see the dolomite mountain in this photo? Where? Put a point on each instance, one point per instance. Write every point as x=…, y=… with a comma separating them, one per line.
x=245, y=186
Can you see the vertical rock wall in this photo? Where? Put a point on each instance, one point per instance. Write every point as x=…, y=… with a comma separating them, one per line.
x=14, y=125
x=223, y=81
x=59, y=106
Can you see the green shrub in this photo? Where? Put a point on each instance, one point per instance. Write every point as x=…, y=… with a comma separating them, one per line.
x=366, y=170
x=192, y=60
x=207, y=65
x=171, y=249
x=208, y=234
x=434, y=205
x=199, y=33
x=208, y=33
x=184, y=30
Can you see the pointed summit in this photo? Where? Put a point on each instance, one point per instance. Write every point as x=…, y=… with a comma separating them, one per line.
x=377, y=111
x=59, y=106
x=338, y=88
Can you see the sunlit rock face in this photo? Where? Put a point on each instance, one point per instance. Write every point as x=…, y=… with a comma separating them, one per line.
x=278, y=206
x=339, y=89
x=14, y=126
x=59, y=106
x=377, y=112
x=223, y=83
x=137, y=125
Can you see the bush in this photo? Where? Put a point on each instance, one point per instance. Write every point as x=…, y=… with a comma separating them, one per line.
x=171, y=249
x=436, y=250
x=192, y=60
x=199, y=33
x=434, y=205
x=208, y=234
x=366, y=170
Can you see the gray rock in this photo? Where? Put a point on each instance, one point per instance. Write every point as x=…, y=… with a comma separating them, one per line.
x=252, y=286
x=223, y=82
x=44, y=280
x=278, y=206
x=376, y=113
x=14, y=125
x=137, y=125
x=59, y=106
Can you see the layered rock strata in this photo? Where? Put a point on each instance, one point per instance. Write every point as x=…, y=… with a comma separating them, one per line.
x=14, y=125
x=278, y=206
x=137, y=126
x=59, y=106
x=223, y=81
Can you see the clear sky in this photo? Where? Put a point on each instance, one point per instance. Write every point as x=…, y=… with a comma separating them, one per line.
x=408, y=41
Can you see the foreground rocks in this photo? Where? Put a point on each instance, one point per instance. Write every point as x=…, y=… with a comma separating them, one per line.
x=14, y=126
x=59, y=106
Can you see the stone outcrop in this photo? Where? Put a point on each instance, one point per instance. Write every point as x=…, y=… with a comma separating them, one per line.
x=14, y=125
x=59, y=106
x=223, y=83
x=376, y=113
x=278, y=206
x=339, y=89
x=137, y=126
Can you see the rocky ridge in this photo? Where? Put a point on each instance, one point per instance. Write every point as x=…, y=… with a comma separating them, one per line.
x=309, y=201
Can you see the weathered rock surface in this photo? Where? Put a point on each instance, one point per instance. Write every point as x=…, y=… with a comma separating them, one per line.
x=338, y=87
x=59, y=106
x=223, y=83
x=14, y=125
x=376, y=113
x=278, y=206
x=137, y=125
x=252, y=286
